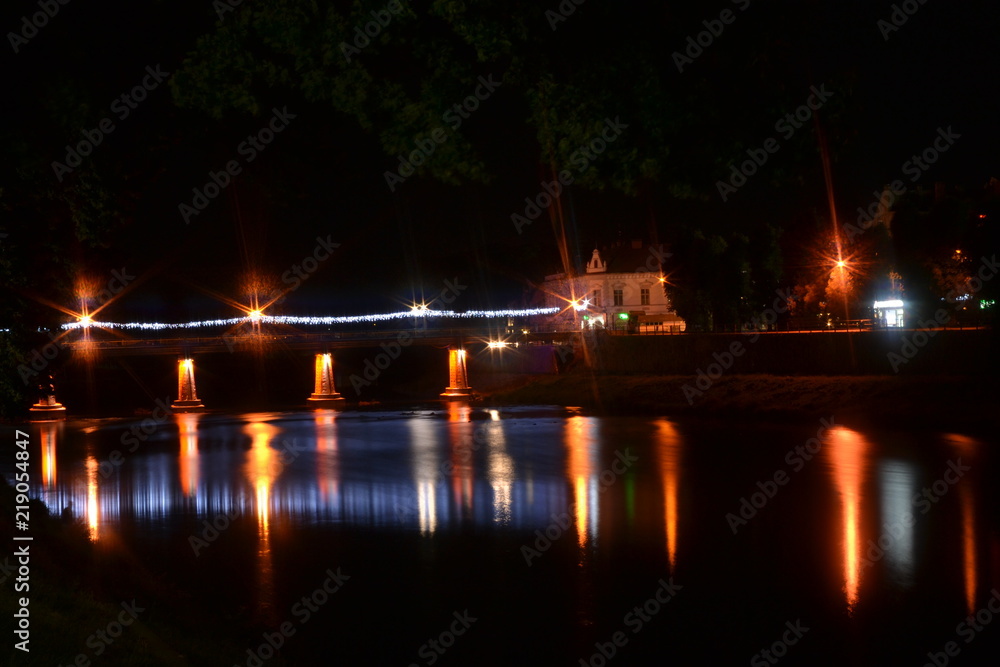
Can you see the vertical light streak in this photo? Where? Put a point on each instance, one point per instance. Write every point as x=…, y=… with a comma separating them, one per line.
x=187, y=426
x=581, y=446
x=669, y=446
x=93, y=511
x=847, y=452
x=49, y=454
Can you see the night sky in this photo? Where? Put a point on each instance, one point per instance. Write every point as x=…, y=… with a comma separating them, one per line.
x=323, y=175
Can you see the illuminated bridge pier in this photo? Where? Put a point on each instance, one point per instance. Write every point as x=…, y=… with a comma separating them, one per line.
x=47, y=409
x=458, y=375
x=324, y=393
x=187, y=394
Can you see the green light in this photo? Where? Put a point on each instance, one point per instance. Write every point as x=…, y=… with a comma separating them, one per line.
x=623, y=316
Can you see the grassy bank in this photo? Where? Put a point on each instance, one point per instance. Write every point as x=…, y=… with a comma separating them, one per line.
x=76, y=590
x=935, y=401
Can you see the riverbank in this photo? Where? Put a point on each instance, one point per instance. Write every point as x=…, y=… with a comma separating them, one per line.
x=952, y=402
x=90, y=605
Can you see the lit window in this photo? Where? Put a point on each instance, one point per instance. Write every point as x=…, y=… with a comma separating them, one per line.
x=595, y=298
x=619, y=297
x=644, y=297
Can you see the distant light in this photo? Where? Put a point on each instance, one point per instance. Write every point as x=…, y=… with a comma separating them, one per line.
x=580, y=304
x=958, y=252
x=86, y=321
x=841, y=264
x=419, y=309
x=623, y=316
x=894, y=303
x=255, y=315
x=982, y=216
x=496, y=344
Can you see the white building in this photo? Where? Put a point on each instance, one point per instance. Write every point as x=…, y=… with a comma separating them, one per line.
x=623, y=290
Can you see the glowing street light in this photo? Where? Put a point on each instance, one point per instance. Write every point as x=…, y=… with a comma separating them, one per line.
x=496, y=344
x=841, y=264
x=255, y=315
x=86, y=321
x=419, y=310
x=581, y=304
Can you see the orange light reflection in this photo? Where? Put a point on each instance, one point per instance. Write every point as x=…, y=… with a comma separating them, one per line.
x=669, y=446
x=581, y=446
x=967, y=447
x=847, y=450
x=327, y=464
x=262, y=468
x=49, y=453
x=187, y=426
x=93, y=512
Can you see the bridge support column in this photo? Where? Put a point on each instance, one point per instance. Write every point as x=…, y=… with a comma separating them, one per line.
x=187, y=394
x=324, y=393
x=47, y=409
x=458, y=376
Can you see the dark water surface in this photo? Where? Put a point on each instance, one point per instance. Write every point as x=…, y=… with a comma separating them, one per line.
x=544, y=536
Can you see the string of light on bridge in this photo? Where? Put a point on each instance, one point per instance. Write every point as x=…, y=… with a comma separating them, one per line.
x=257, y=317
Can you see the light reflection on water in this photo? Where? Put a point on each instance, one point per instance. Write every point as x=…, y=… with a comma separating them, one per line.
x=847, y=452
x=669, y=444
x=437, y=472
x=967, y=449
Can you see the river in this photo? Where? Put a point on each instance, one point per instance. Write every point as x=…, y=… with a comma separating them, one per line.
x=544, y=535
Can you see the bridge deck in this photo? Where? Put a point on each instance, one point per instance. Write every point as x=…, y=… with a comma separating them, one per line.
x=304, y=341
